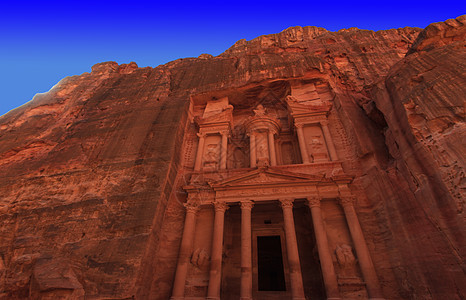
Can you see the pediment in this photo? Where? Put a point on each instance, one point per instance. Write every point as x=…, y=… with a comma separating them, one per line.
x=266, y=176
x=297, y=108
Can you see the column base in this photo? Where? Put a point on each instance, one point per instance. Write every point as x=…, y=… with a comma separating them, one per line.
x=298, y=298
x=213, y=298
x=176, y=298
x=245, y=298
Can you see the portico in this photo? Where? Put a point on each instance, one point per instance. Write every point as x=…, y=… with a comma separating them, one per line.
x=268, y=186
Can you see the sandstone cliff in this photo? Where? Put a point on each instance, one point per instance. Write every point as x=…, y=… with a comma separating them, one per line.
x=90, y=169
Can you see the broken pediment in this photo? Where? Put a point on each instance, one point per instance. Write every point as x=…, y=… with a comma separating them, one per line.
x=297, y=109
x=217, y=111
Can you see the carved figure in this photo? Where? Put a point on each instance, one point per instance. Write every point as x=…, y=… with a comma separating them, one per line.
x=199, y=257
x=262, y=151
x=211, y=154
x=260, y=111
x=346, y=259
x=316, y=142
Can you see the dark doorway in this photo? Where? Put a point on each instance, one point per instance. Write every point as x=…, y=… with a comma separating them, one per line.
x=271, y=276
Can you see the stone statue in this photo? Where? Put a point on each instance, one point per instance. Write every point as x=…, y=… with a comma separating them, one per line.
x=199, y=257
x=211, y=154
x=346, y=259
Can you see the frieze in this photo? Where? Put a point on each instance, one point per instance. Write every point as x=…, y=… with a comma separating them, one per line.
x=308, y=120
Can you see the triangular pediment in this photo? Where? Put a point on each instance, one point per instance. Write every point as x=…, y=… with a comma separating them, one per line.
x=266, y=176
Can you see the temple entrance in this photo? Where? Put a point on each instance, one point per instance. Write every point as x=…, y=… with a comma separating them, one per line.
x=271, y=276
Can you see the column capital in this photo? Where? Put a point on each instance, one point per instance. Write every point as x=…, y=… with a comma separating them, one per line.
x=247, y=204
x=191, y=207
x=347, y=200
x=251, y=133
x=221, y=206
x=286, y=202
x=225, y=132
x=201, y=134
x=299, y=125
x=313, y=201
x=324, y=122
x=272, y=131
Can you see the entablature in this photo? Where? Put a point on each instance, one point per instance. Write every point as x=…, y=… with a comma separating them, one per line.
x=265, y=184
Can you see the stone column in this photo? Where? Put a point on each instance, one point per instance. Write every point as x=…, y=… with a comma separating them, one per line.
x=185, y=250
x=246, y=257
x=252, y=149
x=326, y=262
x=273, y=154
x=200, y=151
x=297, y=288
x=302, y=143
x=215, y=277
x=329, y=140
x=223, y=155
x=365, y=261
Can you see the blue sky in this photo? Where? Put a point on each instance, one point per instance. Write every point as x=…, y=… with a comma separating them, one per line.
x=42, y=42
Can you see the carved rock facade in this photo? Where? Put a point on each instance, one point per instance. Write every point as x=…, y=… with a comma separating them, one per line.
x=304, y=164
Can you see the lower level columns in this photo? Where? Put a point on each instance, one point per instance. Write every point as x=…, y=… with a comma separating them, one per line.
x=215, y=276
x=365, y=261
x=246, y=249
x=185, y=251
x=297, y=287
x=326, y=262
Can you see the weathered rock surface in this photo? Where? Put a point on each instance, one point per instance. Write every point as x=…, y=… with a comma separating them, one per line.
x=91, y=171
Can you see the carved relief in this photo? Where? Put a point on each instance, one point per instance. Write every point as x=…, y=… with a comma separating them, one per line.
x=315, y=143
x=346, y=261
x=199, y=257
x=211, y=157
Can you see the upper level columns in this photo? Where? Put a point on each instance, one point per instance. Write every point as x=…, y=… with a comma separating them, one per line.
x=273, y=155
x=302, y=143
x=365, y=261
x=262, y=129
x=215, y=277
x=214, y=128
x=252, y=149
x=200, y=151
x=224, y=147
x=329, y=140
x=297, y=287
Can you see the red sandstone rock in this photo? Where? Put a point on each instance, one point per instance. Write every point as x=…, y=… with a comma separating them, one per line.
x=92, y=171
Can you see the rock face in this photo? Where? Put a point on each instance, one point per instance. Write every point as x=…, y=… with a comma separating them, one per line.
x=92, y=172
